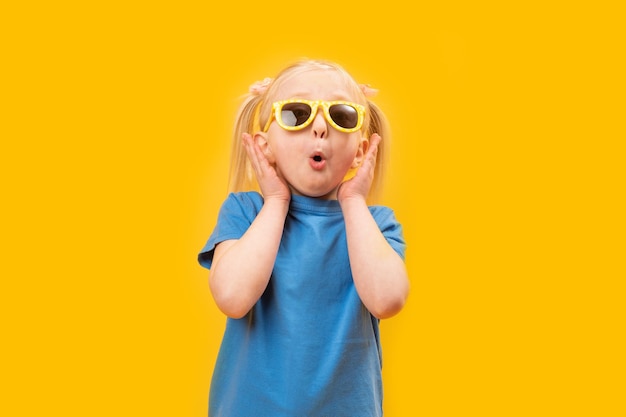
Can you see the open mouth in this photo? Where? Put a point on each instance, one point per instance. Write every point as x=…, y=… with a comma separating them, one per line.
x=318, y=162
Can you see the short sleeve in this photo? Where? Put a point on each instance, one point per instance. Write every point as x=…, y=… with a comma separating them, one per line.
x=390, y=228
x=235, y=217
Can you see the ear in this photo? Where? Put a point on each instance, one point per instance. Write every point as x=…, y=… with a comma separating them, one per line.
x=261, y=139
x=364, y=145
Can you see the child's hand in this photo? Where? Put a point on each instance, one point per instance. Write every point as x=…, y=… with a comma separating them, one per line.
x=359, y=185
x=272, y=186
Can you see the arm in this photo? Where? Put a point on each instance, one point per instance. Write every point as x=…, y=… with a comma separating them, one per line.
x=241, y=268
x=379, y=273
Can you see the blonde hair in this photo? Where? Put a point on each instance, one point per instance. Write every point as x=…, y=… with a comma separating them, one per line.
x=256, y=108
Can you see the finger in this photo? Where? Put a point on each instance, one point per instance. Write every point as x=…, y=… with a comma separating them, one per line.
x=375, y=140
x=246, y=140
x=248, y=143
x=263, y=162
x=372, y=150
x=258, y=159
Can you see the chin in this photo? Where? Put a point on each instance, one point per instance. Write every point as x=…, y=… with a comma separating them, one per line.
x=324, y=194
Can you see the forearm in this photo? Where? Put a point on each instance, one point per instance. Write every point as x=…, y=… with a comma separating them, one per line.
x=379, y=272
x=241, y=269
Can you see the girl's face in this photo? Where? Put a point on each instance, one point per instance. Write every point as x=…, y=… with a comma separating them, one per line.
x=313, y=161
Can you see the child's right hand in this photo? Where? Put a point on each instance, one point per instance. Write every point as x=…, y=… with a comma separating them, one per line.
x=272, y=186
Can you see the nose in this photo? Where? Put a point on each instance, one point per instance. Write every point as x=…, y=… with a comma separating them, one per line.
x=319, y=125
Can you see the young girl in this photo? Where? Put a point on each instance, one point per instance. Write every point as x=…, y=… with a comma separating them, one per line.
x=304, y=269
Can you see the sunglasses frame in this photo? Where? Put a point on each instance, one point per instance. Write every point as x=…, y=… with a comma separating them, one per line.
x=314, y=104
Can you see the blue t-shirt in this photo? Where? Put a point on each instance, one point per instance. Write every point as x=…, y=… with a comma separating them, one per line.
x=308, y=347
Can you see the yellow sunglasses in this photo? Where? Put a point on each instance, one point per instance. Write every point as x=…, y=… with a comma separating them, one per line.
x=296, y=114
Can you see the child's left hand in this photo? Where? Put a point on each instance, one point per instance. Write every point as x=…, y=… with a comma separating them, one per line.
x=359, y=185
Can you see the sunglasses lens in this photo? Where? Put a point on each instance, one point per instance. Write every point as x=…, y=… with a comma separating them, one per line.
x=344, y=115
x=295, y=114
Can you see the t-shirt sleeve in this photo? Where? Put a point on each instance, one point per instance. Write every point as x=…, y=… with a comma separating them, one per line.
x=235, y=217
x=390, y=227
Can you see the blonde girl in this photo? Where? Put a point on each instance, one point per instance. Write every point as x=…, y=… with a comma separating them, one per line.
x=300, y=263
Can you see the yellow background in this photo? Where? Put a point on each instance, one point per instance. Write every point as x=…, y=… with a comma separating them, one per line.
x=507, y=172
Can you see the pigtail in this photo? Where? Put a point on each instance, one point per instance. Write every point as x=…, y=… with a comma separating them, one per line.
x=241, y=176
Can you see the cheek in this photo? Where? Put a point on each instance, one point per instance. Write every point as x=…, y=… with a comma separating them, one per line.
x=348, y=157
x=351, y=148
x=284, y=152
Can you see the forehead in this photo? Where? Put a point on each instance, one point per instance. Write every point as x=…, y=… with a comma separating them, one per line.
x=317, y=84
